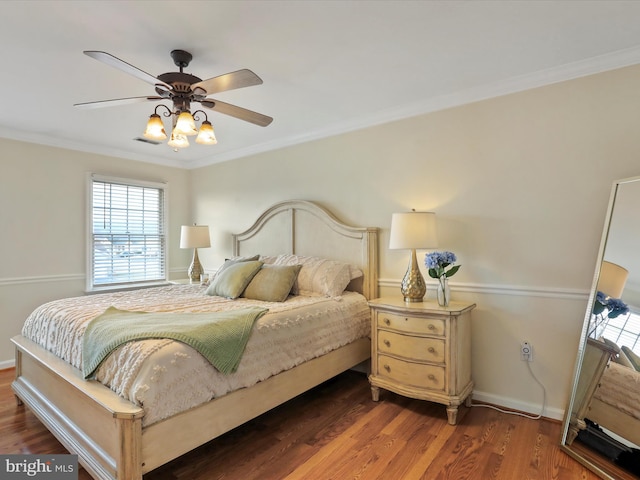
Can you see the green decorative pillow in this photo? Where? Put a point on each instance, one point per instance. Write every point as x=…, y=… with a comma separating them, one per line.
x=232, y=281
x=272, y=283
x=232, y=261
x=633, y=358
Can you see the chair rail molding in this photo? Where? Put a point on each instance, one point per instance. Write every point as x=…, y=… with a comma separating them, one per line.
x=495, y=289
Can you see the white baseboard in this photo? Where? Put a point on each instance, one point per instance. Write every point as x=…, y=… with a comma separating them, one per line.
x=7, y=364
x=513, y=404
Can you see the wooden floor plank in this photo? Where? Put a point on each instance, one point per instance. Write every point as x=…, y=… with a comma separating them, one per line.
x=336, y=432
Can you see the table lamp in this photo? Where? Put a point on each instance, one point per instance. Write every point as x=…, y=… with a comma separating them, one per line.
x=413, y=230
x=195, y=236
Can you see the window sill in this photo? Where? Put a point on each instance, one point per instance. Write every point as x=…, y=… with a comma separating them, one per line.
x=123, y=288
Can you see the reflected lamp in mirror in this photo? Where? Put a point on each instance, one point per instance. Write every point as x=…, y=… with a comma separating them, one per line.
x=411, y=231
x=612, y=279
x=195, y=236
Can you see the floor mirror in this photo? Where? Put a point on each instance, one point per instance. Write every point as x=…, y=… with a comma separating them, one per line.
x=602, y=420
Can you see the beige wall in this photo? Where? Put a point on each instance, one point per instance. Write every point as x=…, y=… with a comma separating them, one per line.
x=43, y=222
x=520, y=185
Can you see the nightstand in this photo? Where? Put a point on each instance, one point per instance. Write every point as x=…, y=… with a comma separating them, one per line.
x=421, y=350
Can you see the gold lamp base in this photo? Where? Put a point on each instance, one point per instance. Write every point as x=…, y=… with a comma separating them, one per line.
x=413, y=287
x=195, y=269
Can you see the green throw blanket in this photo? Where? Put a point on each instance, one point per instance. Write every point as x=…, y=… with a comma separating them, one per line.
x=220, y=337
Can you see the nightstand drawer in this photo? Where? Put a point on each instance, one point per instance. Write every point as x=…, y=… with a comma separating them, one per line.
x=408, y=373
x=414, y=348
x=405, y=323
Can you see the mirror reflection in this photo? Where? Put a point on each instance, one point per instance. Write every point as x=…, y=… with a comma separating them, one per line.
x=603, y=428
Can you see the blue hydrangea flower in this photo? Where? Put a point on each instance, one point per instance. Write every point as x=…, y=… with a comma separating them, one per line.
x=614, y=306
x=617, y=307
x=437, y=263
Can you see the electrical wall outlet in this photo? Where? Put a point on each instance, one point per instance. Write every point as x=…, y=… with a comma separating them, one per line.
x=526, y=352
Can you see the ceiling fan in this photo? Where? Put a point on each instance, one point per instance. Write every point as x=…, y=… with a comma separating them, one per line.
x=182, y=89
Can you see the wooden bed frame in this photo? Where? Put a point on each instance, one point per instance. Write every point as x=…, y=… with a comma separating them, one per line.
x=106, y=431
x=597, y=356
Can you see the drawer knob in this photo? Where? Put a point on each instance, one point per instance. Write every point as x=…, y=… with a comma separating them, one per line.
x=431, y=350
x=387, y=321
x=432, y=377
x=387, y=343
x=431, y=326
x=387, y=368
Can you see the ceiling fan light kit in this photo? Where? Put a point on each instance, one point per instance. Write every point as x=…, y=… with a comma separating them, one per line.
x=181, y=89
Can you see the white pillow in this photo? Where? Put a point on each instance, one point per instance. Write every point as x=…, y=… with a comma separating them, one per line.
x=268, y=259
x=319, y=276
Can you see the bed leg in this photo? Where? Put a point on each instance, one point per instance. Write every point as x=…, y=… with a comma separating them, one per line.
x=375, y=394
x=18, y=373
x=129, y=463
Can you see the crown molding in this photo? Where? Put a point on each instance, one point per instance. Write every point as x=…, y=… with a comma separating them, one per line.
x=570, y=71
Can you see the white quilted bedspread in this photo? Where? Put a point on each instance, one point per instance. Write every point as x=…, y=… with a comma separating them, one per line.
x=166, y=377
x=620, y=388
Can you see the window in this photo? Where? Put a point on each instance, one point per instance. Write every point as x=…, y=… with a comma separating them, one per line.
x=127, y=242
x=624, y=330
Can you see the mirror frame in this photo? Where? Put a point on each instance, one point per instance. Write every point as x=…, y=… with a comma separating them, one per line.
x=603, y=470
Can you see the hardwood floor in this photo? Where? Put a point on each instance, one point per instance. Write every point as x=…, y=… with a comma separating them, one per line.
x=337, y=432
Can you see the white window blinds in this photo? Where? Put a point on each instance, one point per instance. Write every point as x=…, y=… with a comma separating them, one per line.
x=127, y=241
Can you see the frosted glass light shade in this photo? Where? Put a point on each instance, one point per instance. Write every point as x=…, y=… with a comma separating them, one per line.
x=413, y=230
x=185, y=124
x=155, y=128
x=206, y=136
x=178, y=140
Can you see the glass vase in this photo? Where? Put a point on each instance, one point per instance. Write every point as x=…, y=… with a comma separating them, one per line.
x=444, y=293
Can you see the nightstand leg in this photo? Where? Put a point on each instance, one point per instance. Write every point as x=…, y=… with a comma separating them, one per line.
x=452, y=414
x=375, y=393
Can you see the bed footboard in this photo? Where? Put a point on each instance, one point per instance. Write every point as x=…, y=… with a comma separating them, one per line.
x=90, y=420
x=105, y=431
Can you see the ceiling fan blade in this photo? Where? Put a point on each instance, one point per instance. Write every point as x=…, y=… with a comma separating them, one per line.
x=228, y=81
x=121, y=65
x=116, y=102
x=238, y=112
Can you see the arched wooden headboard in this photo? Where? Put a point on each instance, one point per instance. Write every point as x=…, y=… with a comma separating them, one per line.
x=302, y=227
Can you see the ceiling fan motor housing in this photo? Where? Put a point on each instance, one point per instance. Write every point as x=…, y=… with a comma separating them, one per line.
x=181, y=88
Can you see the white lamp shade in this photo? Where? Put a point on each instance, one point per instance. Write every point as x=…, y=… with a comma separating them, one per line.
x=612, y=279
x=194, y=236
x=413, y=230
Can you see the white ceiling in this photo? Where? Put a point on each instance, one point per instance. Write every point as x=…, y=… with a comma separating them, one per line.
x=327, y=66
